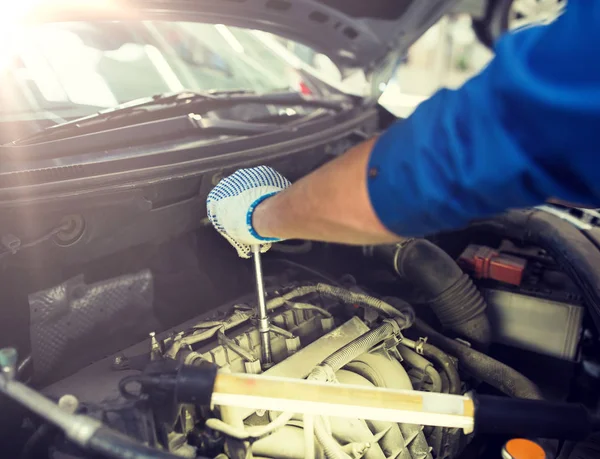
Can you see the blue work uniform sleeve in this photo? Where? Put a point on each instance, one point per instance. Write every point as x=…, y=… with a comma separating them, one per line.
x=525, y=129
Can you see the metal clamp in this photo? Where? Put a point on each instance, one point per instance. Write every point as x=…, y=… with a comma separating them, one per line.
x=420, y=344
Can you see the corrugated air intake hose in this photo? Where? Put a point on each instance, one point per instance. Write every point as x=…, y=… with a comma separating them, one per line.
x=449, y=292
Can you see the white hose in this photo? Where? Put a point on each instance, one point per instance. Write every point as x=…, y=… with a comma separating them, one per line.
x=252, y=432
x=309, y=436
x=332, y=448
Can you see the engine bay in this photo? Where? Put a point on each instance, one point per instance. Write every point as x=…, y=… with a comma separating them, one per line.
x=484, y=310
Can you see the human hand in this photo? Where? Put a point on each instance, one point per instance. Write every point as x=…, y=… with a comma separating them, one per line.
x=231, y=203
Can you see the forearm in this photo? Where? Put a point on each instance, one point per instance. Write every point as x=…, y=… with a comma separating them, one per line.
x=331, y=204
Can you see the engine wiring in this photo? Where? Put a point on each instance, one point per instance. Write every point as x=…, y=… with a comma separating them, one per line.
x=13, y=244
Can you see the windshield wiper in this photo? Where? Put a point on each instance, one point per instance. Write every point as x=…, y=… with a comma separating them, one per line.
x=171, y=104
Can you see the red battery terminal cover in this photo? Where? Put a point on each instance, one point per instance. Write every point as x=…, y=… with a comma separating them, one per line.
x=486, y=263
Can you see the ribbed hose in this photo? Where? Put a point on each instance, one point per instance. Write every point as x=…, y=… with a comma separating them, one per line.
x=461, y=308
x=483, y=367
x=443, y=286
x=359, y=346
x=325, y=371
x=346, y=296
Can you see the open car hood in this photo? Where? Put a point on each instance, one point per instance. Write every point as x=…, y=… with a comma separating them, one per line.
x=356, y=34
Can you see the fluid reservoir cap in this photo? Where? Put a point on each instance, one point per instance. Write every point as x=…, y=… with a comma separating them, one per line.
x=521, y=448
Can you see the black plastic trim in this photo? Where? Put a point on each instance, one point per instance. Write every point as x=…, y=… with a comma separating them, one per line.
x=163, y=162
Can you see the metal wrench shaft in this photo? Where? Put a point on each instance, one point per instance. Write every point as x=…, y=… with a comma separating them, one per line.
x=263, y=316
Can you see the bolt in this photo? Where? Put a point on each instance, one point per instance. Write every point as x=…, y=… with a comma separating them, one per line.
x=68, y=403
x=155, y=347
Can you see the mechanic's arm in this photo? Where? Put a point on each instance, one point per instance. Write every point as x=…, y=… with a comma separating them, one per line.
x=330, y=204
x=526, y=129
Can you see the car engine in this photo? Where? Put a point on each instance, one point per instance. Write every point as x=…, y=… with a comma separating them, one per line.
x=304, y=332
x=493, y=318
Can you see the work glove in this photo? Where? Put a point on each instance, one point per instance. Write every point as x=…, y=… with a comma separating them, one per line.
x=231, y=203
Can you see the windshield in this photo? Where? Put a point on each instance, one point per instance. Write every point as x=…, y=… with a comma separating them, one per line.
x=59, y=72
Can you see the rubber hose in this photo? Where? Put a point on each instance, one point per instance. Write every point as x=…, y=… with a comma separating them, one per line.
x=450, y=293
x=251, y=432
x=444, y=362
x=331, y=448
x=352, y=350
x=570, y=248
x=483, y=367
x=436, y=379
x=444, y=383
x=421, y=363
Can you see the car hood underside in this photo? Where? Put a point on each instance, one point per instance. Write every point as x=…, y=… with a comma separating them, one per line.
x=353, y=33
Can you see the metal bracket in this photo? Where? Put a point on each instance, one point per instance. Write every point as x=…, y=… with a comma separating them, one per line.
x=420, y=343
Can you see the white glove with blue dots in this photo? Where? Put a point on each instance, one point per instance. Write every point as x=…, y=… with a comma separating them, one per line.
x=231, y=203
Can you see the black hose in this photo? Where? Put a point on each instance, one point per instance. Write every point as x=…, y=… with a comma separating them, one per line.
x=422, y=364
x=444, y=362
x=445, y=384
x=570, y=248
x=449, y=292
x=483, y=367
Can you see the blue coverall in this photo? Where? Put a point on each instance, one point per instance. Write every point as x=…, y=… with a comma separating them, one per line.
x=524, y=130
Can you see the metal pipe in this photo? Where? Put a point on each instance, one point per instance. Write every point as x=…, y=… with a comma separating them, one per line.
x=263, y=316
x=82, y=430
x=77, y=428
